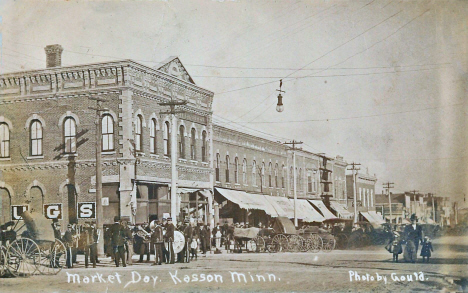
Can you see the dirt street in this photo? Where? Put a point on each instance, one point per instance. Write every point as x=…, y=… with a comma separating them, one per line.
x=369, y=270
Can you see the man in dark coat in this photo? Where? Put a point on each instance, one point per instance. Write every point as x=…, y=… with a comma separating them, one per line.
x=90, y=235
x=188, y=231
x=181, y=254
x=169, y=240
x=413, y=236
x=157, y=241
x=118, y=242
x=144, y=245
x=202, y=238
x=68, y=241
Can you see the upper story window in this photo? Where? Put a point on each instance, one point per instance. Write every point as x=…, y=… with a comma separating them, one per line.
x=35, y=134
x=262, y=174
x=291, y=178
x=270, y=182
x=299, y=179
x=217, y=167
x=4, y=140
x=227, y=169
x=276, y=176
x=254, y=173
x=153, y=136
x=193, y=144
x=282, y=176
x=107, y=133
x=244, y=171
x=203, y=151
x=309, y=182
x=166, y=138
x=236, y=170
x=139, y=134
x=182, y=142
x=69, y=127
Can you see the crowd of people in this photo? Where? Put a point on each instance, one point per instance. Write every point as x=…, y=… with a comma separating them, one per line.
x=155, y=240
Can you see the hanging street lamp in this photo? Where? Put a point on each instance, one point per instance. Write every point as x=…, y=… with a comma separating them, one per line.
x=279, y=106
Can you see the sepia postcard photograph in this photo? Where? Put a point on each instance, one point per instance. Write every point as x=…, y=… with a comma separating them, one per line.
x=233, y=146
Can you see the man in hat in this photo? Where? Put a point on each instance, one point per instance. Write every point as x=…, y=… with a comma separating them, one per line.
x=56, y=227
x=188, y=234
x=128, y=236
x=157, y=241
x=118, y=242
x=145, y=243
x=412, y=235
x=169, y=239
x=68, y=241
x=90, y=238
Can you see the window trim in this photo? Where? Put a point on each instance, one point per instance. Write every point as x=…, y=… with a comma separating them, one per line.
x=72, y=137
x=109, y=135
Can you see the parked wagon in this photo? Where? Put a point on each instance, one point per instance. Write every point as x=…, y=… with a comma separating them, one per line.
x=316, y=239
x=36, y=250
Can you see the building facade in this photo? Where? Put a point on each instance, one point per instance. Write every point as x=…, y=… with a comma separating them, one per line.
x=48, y=135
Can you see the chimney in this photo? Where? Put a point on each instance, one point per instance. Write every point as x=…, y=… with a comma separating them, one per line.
x=53, y=55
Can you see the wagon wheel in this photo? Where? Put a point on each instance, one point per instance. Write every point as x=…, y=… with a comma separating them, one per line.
x=305, y=244
x=271, y=246
x=260, y=242
x=316, y=243
x=329, y=245
x=3, y=268
x=341, y=241
x=53, y=258
x=294, y=243
x=251, y=245
x=23, y=257
x=282, y=242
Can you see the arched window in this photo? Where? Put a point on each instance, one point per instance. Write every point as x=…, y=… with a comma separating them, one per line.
x=153, y=137
x=262, y=173
x=254, y=173
x=107, y=133
x=193, y=145
x=276, y=176
x=236, y=170
x=167, y=141
x=244, y=171
x=4, y=140
x=203, y=150
x=282, y=176
x=270, y=181
x=139, y=134
x=182, y=142
x=35, y=134
x=227, y=169
x=69, y=127
x=36, y=198
x=5, y=205
x=217, y=167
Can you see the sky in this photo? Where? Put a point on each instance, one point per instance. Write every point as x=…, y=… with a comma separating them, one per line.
x=381, y=83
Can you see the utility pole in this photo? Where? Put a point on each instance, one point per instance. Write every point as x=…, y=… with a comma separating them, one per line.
x=355, y=169
x=414, y=199
x=172, y=104
x=99, y=212
x=433, y=207
x=294, y=148
x=387, y=187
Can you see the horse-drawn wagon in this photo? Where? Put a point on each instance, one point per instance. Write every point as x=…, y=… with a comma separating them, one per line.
x=35, y=250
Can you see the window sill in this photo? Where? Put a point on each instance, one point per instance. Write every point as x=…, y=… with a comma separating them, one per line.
x=140, y=154
x=5, y=159
x=183, y=160
x=70, y=155
x=193, y=162
x=108, y=152
x=34, y=157
x=154, y=156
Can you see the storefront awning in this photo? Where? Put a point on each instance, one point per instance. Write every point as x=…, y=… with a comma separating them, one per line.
x=341, y=210
x=370, y=218
x=248, y=201
x=306, y=212
x=323, y=209
x=377, y=217
x=186, y=190
x=282, y=204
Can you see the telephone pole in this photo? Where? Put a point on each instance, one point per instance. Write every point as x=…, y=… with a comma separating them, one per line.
x=99, y=211
x=172, y=104
x=294, y=148
x=355, y=169
x=387, y=187
x=413, y=209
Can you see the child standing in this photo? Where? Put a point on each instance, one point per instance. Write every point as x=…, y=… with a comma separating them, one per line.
x=426, y=249
x=394, y=246
x=193, y=249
